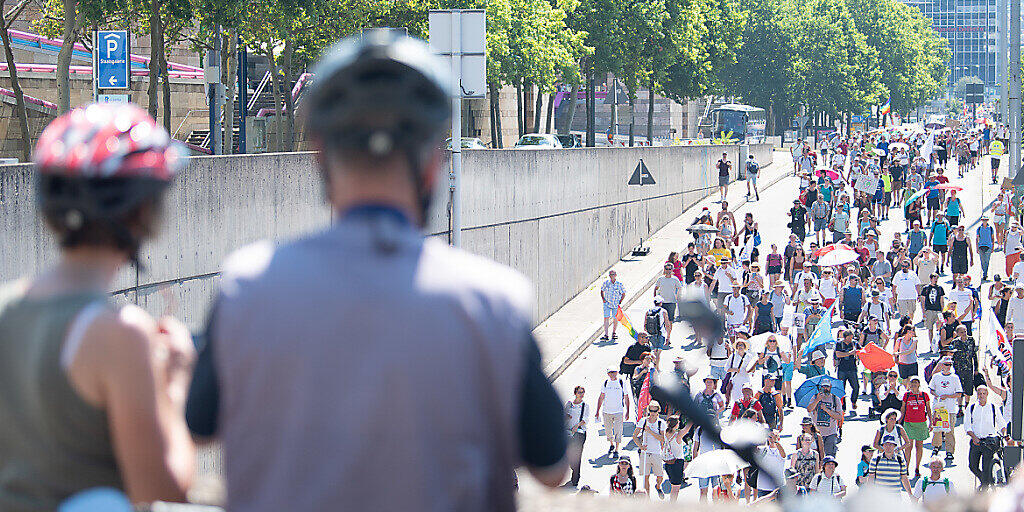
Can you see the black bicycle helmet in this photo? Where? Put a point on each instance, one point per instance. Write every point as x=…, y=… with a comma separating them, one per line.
x=379, y=93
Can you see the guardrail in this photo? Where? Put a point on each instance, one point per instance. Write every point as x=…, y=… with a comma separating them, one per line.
x=30, y=99
x=300, y=84
x=87, y=70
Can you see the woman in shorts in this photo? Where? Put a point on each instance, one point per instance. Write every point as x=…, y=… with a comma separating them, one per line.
x=917, y=413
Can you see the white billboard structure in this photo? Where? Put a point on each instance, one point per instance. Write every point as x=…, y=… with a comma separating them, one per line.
x=460, y=37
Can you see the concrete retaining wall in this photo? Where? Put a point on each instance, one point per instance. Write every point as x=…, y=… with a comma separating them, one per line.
x=560, y=217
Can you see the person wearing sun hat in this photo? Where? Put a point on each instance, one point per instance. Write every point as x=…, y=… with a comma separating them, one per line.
x=891, y=428
x=828, y=483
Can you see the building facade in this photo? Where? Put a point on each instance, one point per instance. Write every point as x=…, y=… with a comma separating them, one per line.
x=970, y=28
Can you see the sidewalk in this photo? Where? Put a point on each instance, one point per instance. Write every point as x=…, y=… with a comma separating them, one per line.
x=574, y=327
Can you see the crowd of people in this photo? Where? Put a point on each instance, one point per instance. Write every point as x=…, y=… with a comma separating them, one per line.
x=850, y=317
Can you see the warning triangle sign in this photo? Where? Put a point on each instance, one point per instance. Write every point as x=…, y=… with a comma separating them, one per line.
x=641, y=176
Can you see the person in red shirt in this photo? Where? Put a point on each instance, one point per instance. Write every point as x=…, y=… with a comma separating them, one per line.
x=746, y=402
x=863, y=252
x=917, y=416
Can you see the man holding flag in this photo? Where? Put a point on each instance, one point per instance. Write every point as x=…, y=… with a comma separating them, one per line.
x=822, y=334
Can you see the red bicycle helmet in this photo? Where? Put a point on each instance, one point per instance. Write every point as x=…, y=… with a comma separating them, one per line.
x=98, y=162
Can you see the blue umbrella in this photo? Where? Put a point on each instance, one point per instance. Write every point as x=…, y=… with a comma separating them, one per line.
x=804, y=394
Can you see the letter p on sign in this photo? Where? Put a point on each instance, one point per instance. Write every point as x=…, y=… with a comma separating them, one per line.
x=111, y=44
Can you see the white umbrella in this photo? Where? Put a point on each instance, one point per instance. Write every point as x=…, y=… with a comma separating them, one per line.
x=715, y=463
x=878, y=151
x=757, y=343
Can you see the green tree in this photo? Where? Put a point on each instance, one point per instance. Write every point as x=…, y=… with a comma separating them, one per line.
x=838, y=71
x=765, y=71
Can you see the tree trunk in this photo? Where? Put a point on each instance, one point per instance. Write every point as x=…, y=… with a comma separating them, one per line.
x=155, y=41
x=538, y=108
x=19, y=95
x=550, y=114
x=519, y=108
x=166, y=79
x=492, y=99
x=277, y=97
x=289, y=101
x=64, y=56
x=527, y=107
x=229, y=75
x=571, y=115
x=650, y=113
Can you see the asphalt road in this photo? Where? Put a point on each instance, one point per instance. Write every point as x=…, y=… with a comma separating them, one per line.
x=770, y=212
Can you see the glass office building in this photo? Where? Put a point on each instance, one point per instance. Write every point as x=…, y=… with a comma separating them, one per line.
x=970, y=28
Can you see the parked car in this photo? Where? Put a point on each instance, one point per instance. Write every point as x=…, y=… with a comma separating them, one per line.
x=467, y=143
x=538, y=141
x=571, y=140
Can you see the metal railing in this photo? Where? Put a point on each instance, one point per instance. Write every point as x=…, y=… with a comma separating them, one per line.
x=259, y=90
x=182, y=123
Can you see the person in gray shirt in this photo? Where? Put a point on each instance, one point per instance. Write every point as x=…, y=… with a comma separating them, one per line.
x=669, y=289
x=343, y=369
x=882, y=268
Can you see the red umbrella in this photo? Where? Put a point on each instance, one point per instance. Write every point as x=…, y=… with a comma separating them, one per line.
x=835, y=254
x=948, y=186
x=829, y=248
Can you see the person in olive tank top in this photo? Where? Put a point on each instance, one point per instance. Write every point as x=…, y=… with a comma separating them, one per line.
x=93, y=394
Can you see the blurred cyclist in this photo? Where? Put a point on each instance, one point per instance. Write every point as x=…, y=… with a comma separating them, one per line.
x=362, y=366
x=93, y=392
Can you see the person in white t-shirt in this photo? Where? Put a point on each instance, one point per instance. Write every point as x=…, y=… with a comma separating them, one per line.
x=616, y=406
x=964, y=300
x=946, y=393
x=737, y=309
x=828, y=483
x=934, y=488
x=828, y=287
x=803, y=295
x=649, y=436
x=905, y=287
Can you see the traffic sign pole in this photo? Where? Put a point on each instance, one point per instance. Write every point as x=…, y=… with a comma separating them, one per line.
x=460, y=35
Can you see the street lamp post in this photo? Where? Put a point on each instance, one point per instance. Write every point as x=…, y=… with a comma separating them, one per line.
x=1017, y=412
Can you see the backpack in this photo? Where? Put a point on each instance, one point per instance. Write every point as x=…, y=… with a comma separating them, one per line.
x=652, y=321
x=990, y=403
x=708, y=404
x=925, y=483
x=752, y=167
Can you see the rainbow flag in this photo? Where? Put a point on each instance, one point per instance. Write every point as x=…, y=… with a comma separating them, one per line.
x=884, y=111
x=998, y=345
x=644, y=399
x=621, y=317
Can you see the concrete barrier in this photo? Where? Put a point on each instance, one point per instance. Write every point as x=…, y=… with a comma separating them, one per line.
x=560, y=217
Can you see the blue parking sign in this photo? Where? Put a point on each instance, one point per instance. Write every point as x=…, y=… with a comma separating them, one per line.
x=112, y=59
